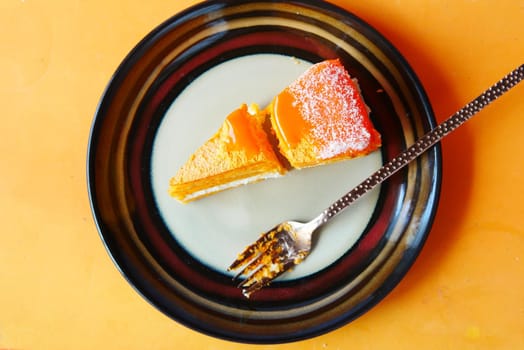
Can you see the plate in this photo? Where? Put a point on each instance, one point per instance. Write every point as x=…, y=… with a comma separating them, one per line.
x=173, y=91
x=215, y=229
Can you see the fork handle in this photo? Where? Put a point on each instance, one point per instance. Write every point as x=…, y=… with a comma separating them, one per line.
x=424, y=143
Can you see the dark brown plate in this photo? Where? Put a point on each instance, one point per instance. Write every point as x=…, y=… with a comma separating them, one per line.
x=147, y=249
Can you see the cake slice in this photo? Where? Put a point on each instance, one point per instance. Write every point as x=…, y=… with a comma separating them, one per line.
x=239, y=153
x=321, y=118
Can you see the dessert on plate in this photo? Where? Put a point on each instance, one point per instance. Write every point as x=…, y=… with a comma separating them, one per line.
x=238, y=153
x=319, y=118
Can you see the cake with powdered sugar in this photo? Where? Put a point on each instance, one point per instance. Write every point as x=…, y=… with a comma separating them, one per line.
x=319, y=118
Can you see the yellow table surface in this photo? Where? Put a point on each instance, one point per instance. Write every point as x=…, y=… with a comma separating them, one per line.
x=58, y=286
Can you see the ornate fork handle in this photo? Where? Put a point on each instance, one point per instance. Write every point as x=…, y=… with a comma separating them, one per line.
x=424, y=143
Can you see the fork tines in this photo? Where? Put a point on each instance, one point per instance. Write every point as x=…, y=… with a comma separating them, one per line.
x=262, y=261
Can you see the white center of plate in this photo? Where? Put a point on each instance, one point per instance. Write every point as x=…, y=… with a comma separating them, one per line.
x=216, y=228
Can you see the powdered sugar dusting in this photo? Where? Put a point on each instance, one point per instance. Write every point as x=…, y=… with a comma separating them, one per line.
x=331, y=103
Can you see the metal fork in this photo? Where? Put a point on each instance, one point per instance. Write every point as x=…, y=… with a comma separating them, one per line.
x=289, y=243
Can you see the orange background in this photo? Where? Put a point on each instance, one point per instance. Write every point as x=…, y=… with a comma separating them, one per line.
x=58, y=286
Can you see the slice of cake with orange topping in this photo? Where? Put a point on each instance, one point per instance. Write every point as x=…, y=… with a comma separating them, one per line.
x=321, y=118
x=239, y=153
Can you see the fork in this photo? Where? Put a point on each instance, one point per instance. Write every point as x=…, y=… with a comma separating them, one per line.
x=289, y=243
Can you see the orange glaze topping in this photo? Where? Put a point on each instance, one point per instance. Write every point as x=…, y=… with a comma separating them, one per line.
x=241, y=132
x=293, y=127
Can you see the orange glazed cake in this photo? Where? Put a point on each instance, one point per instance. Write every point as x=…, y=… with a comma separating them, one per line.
x=321, y=118
x=239, y=153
